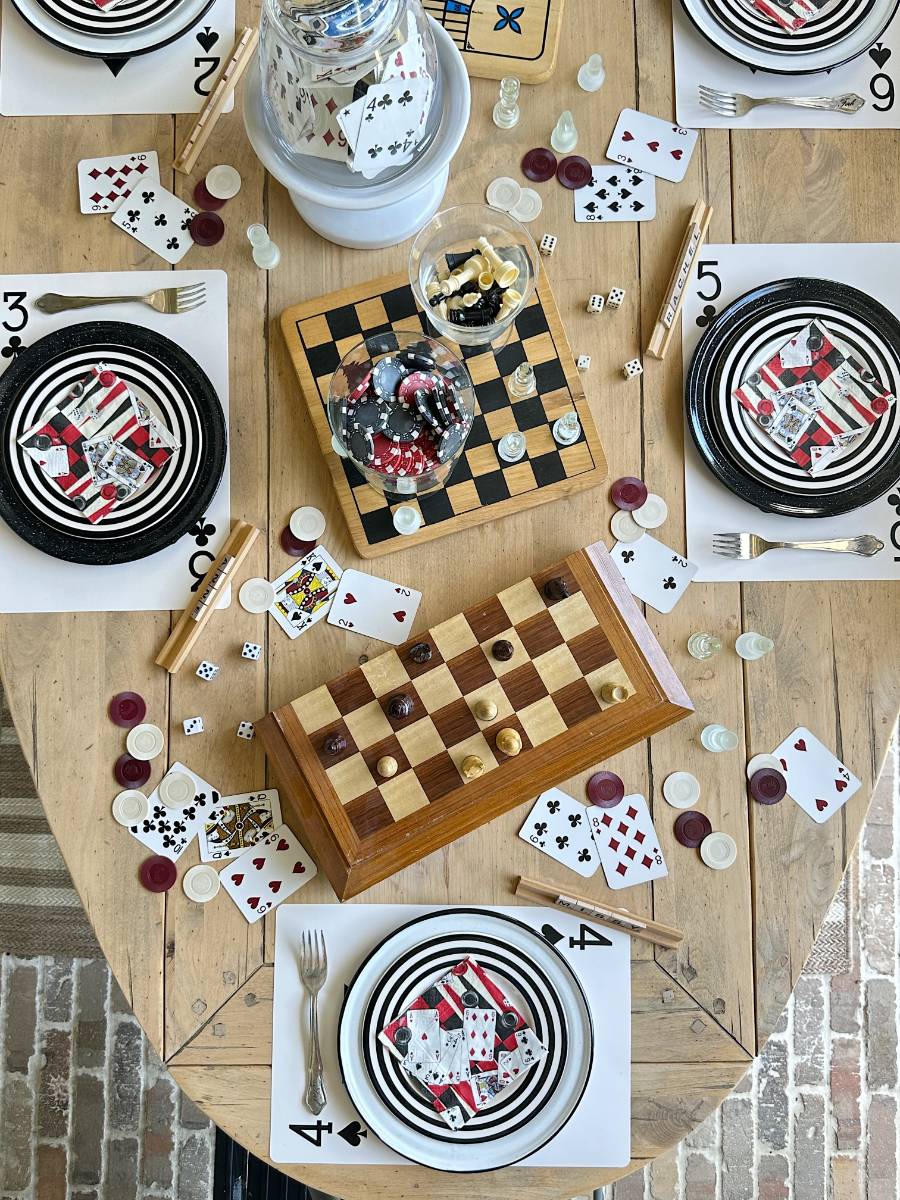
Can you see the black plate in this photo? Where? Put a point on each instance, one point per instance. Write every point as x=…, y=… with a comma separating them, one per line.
x=165, y=508
x=749, y=331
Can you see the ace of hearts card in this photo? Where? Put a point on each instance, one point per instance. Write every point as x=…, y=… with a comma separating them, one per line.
x=816, y=780
x=374, y=607
x=651, y=144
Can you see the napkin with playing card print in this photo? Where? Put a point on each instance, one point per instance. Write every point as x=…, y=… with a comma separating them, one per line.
x=791, y=15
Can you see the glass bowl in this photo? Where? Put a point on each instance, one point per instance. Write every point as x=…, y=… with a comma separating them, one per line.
x=448, y=243
x=433, y=420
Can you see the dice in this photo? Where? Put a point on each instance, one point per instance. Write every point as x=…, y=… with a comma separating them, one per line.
x=207, y=670
x=548, y=244
x=251, y=650
x=595, y=304
x=246, y=731
x=583, y=361
x=632, y=369
x=615, y=297
x=193, y=725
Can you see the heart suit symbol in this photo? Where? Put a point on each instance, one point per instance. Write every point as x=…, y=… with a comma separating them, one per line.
x=821, y=805
x=349, y=598
x=400, y=616
x=800, y=744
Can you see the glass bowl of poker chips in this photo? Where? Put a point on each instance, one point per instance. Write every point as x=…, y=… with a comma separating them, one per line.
x=401, y=406
x=472, y=269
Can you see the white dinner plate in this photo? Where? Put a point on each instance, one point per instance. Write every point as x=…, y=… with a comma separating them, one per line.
x=133, y=27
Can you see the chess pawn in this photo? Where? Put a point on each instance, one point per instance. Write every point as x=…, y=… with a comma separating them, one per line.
x=407, y=519
x=567, y=429
x=266, y=254
x=703, y=645
x=485, y=710
x=614, y=693
x=512, y=446
x=508, y=742
x=387, y=767
x=506, y=110
x=521, y=382
x=511, y=301
x=751, y=646
x=591, y=74
x=564, y=136
x=472, y=767
x=485, y=281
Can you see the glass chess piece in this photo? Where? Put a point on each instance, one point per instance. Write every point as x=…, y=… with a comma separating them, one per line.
x=567, y=428
x=591, y=74
x=407, y=519
x=511, y=446
x=751, y=646
x=521, y=382
x=564, y=136
x=506, y=110
x=703, y=645
x=266, y=254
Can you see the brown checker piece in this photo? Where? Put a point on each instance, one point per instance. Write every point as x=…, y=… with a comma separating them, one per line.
x=481, y=487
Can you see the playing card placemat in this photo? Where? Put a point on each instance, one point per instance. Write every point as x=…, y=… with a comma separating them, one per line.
x=723, y=274
x=597, y=1135
x=872, y=75
x=38, y=79
x=35, y=582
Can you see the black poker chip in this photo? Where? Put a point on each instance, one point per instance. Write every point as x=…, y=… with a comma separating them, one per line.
x=451, y=440
x=367, y=415
x=422, y=401
x=419, y=359
x=360, y=445
x=403, y=424
x=386, y=375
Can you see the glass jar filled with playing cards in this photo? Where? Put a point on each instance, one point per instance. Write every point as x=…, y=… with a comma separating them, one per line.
x=349, y=84
x=401, y=407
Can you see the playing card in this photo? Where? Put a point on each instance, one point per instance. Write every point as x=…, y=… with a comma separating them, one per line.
x=816, y=780
x=408, y=61
x=240, y=822
x=479, y=1030
x=303, y=592
x=558, y=825
x=653, y=572
x=651, y=144
x=158, y=220
x=627, y=843
x=325, y=138
x=103, y=183
x=791, y=15
x=374, y=607
x=267, y=873
x=425, y=1027
x=169, y=831
x=391, y=118
x=616, y=195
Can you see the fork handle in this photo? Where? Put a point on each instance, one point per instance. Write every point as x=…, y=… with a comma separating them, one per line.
x=315, y=1084
x=835, y=545
x=849, y=103
x=54, y=303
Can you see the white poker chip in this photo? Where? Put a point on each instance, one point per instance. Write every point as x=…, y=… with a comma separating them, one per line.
x=718, y=850
x=130, y=807
x=760, y=761
x=256, y=595
x=681, y=789
x=201, y=883
x=223, y=181
x=307, y=524
x=652, y=512
x=176, y=789
x=503, y=193
x=528, y=207
x=145, y=742
x=624, y=527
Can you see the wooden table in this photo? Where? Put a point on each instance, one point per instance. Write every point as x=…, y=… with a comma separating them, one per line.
x=199, y=978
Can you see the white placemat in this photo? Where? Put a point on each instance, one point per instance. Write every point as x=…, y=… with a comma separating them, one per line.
x=34, y=582
x=724, y=273
x=597, y=1135
x=873, y=75
x=38, y=79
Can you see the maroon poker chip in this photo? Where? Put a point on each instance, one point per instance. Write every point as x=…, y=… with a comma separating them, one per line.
x=691, y=828
x=157, y=874
x=108, y=491
x=539, y=165
x=131, y=772
x=574, y=172
x=206, y=228
x=605, y=789
x=127, y=709
x=205, y=199
x=106, y=378
x=628, y=493
x=768, y=786
x=293, y=546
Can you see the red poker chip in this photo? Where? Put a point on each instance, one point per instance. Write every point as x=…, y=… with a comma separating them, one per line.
x=157, y=874
x=131, y=772
x=106, y=378
x=691, y=828
x=766, y=406
x=108, y=491
x=206, y=228
x=418, y=381
x=768, y=786
x=539, y=165
x=605, y=789
x=574, y=172
x=293, y=546
x=880, y=405
x=127, y=709
x=628, y=493
x=205, y=199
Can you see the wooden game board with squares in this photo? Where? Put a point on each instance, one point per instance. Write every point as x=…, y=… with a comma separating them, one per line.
x=497, y=40
x=361, y=827
x=481, y=487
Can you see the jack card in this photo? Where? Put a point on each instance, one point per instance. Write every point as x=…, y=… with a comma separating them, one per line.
x=615, y=194
x=816, y=780
x=239, y=822
x=651, y=144
x=627, y=843
x=268, y=873
x=303, y=592
x=374, y=607
x=558, y=824
x=103, y=183
x=655, y=574
x=159, y=220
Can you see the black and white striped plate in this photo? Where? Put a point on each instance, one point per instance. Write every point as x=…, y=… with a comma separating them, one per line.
x=133, y=27
x=541, y=984
x=840, y=33
x=163, y=375
x=739, y=454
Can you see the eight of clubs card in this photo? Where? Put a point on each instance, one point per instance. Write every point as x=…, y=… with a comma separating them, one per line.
x=558, y=824
x=627, y=843
x=817, y=780
x=655, y=574
x=651, y=144
x=374, y=607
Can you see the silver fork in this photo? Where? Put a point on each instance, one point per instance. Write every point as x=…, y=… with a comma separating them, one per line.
x=165, y=300
x=751, y=545
x=735, y=104
x=313, y=970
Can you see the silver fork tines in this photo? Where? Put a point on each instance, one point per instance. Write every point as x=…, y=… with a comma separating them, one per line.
x=745, y=546
x=313, y=972
x=192, y=295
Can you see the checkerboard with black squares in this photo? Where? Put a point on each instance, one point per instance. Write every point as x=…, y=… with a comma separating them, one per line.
x=481, y=486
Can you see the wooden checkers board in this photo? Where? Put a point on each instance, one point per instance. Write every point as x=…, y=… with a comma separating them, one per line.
x=361, y=827
x=481, y=487
x=503, y=39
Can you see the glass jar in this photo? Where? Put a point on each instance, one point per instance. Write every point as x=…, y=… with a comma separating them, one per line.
x=318, y=61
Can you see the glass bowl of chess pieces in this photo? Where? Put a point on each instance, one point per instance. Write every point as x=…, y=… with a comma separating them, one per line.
x=472, y=269
x=400, y=407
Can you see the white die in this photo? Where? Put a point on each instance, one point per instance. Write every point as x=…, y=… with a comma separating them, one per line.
x=193, y=725
x=548, y=244
x=251, y=650
x=246, y=731
x=633, y=368
x=207, y=670
x=615, y=297
x=583, y=361
x=595, y=304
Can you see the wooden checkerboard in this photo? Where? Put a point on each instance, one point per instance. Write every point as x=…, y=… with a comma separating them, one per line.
x=481, y=487
x=361, y=827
